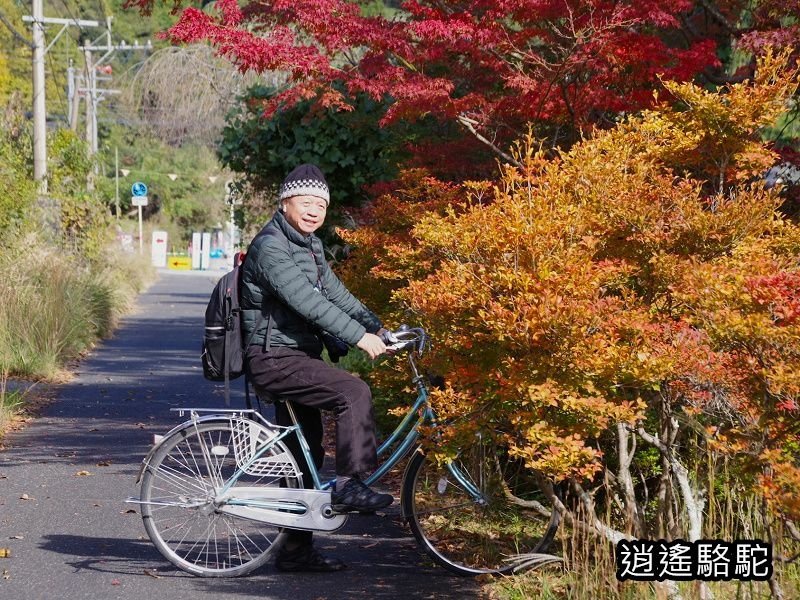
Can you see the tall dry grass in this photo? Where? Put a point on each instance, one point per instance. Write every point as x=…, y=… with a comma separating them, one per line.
x=54, y=305
x=589, y=568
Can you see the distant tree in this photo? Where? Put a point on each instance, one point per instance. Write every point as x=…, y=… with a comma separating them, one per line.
x=349, y=146
x=182, y=94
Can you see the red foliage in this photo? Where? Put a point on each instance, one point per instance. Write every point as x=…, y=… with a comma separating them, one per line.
x=780, y=294
x=500, y=63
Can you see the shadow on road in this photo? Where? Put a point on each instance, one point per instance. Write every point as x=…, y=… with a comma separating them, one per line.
x=375, y=573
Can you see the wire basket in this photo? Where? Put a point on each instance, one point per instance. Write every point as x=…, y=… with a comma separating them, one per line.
x=249, y=439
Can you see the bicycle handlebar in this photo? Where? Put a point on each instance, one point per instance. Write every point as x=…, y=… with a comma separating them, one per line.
x=406, y=338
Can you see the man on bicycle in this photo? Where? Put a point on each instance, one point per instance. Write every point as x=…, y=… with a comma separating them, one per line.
x=289, y=297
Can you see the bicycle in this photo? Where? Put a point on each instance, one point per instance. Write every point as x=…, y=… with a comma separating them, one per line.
x=218, y=489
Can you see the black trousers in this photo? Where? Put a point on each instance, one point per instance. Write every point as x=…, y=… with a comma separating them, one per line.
x=311, y=385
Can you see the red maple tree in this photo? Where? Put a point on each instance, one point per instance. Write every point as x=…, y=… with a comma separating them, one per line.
x=490, y=65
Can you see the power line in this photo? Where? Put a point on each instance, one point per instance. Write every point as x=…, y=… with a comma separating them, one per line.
x=72, y=16
x=58, y=87
x=16, y=33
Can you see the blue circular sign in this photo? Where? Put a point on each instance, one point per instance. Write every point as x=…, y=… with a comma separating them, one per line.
x=139, y=189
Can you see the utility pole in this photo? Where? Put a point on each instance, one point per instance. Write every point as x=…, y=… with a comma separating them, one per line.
x=90, y=110
x=39, y=108
x=73, y=98
x=38, y=21
x=116, y=181
x=91, y=92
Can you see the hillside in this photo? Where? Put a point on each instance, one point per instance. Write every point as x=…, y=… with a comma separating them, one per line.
x=181, y=170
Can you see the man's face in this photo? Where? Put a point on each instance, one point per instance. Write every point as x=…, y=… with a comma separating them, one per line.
x=305, y=213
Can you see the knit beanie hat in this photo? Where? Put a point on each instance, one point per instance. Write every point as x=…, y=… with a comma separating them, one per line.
x=305, y=180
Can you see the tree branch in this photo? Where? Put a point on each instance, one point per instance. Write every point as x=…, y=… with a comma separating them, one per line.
x=719, y=17
x=626, y=447
x=694, y=502
x=596, y=527
x=531, y=504
x=792, y=528
x=470, y=125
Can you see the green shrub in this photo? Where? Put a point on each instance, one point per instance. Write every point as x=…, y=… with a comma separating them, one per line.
x=349, y=146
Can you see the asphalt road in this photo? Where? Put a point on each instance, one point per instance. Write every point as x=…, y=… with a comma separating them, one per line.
x=63, y=480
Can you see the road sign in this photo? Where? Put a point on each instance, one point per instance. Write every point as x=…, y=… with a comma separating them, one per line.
x=179, y=263
x=158, y=250
x=139, y=200
x=139, y=189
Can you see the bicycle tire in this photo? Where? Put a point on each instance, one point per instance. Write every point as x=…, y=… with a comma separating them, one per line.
x=468, y=537
x=177, y=494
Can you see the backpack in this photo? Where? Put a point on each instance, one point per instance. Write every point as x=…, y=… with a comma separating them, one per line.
x=223, y=348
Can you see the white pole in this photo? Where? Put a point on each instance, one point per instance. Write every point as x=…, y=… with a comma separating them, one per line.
x=39, y=108
x=140, y=230
x=94, y=113
x=116, y=180
x=70, y=90
x=89, y=96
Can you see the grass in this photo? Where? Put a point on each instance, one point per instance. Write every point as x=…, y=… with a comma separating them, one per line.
x=589, y=570
x=10, y=402
x=55, y=305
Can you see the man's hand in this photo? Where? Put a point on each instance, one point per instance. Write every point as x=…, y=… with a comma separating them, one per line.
x=385, y=334
x=372, y=345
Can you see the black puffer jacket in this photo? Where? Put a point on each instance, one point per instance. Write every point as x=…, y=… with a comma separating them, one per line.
x=282, y=275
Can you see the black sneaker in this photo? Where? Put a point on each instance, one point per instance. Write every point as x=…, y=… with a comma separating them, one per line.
x=307, y=558
x=355, y=496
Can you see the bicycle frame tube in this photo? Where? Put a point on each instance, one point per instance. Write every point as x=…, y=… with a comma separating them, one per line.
x=468, y=485
x=304, y=447
x=408, y=444
x=409, y=424
x=412, y=412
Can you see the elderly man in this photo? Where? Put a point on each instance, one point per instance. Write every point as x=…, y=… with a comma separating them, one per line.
x=289, y=297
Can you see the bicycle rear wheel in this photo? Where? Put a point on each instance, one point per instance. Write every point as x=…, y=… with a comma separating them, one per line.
x=495, y=531
x=178, y=492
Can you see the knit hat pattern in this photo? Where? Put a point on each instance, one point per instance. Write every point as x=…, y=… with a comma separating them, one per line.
x=305, y=180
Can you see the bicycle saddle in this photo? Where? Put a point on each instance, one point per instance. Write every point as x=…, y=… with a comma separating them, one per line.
x=268, y=397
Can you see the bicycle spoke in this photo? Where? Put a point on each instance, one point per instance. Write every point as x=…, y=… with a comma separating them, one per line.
x=444, y=508
x=469, y=534
x=187, y=471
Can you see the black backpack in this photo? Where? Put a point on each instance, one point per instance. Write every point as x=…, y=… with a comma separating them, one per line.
x=223, y=347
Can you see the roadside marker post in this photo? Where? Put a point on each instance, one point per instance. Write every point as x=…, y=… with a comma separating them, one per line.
x=139, y=199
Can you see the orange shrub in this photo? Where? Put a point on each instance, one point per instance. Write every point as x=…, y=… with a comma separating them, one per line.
x=644, y=267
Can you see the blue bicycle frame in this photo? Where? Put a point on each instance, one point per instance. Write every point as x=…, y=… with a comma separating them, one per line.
x=419, y=413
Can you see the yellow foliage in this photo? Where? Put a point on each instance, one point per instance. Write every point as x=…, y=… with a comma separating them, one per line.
x=714, y=137
x=575, y=292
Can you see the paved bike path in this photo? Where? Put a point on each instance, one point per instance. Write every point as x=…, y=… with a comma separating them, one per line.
x=64, y=477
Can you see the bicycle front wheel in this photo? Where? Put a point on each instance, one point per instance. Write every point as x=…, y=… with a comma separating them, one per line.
x=485, y=513
x=180, y=486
